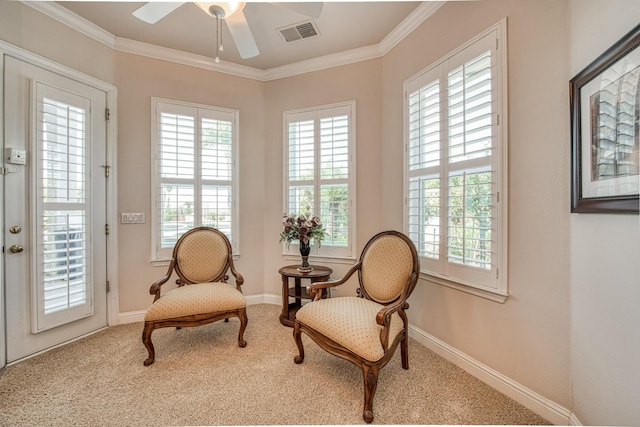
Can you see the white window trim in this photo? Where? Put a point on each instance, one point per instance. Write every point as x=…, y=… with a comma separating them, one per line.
x=501, y=293
x=156, y=259
x=290, y=252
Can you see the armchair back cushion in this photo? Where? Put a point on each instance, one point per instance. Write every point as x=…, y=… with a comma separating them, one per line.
x=202, y=257
x=387, y=262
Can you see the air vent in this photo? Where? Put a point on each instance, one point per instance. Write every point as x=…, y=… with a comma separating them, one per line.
x=303, y=30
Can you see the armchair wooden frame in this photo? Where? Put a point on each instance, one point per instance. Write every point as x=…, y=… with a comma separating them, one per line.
x=183, y=280
x=370, y=368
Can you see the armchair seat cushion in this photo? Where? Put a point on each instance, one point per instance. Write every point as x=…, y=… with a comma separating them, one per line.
x=195, y=299
x=350, y=322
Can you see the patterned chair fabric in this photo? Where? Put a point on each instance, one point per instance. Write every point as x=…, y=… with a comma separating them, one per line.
x=366, y=329
x=200, y=298
x=386, y=265
x=201, y=259
x=351, y=322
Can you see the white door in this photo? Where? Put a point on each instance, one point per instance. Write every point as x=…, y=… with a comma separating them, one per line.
x=55, y=209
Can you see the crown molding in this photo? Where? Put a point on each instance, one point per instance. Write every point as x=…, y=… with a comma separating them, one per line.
x=178, y=56
x=408, y=24
x=121, y=44
x=322, y=62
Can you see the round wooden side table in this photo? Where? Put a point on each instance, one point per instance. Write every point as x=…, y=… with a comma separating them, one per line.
x=318, y=274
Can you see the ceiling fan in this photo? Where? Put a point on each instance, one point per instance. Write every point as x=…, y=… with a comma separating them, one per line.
x=232, y=13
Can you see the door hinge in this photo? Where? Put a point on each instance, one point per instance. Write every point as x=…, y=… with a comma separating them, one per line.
x=107, y=113
x=108, y=286
x=106, y=229
x=106, y=170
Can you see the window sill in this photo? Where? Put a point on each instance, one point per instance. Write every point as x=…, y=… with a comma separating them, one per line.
x=490, y=294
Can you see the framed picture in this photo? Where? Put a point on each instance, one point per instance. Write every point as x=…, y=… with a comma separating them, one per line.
x=605, y=131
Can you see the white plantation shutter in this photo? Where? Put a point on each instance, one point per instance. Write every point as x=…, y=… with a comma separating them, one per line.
x=454, y=166
x=302, y=166
x=62, y=209
x=334, y=179
x=321, y=173
x=176, y=164
x=424, y=136
x=194, y=172
x=469, y=112
x=216, y=196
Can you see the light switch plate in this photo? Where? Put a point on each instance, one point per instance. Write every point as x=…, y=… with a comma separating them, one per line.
x=132, y=218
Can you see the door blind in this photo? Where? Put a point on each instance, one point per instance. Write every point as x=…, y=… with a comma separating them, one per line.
x=63, y=211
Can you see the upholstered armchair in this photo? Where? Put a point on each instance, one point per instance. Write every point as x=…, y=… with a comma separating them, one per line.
x=201, y=259
x=366, y=329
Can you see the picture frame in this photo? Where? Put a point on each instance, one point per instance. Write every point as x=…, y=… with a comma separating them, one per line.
x=605, y=131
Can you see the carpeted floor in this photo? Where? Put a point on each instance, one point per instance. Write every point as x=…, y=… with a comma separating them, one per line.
x=201, y=377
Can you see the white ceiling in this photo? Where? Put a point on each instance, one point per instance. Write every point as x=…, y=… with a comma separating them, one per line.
x=343, y=27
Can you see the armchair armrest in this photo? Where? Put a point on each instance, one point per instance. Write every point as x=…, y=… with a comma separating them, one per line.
x=383, y=318
x=315, y=286
x=236, y=274
x=155, y=287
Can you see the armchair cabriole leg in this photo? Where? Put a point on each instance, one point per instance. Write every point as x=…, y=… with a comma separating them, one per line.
x=146, y=340
x=404, y=351
x=370, y=374
x=297, y=337
x=242, y=315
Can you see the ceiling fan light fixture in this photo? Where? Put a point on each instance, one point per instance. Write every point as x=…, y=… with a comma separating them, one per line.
x=221, y=10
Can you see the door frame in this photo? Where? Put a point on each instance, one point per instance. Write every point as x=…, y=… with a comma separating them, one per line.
x=111, y=91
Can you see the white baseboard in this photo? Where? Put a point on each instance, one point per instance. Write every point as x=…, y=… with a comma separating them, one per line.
x=542, y=406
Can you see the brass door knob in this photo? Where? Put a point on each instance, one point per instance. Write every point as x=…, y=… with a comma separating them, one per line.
x=16, y=249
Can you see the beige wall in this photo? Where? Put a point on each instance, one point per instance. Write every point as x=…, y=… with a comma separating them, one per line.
x=527, y=337
x=24, y=27
x=359, y=82
x=605, y=272
x=140, y=78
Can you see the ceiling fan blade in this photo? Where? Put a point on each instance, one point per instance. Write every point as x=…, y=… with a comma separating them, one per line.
x=152, y=12
x=242, y=36
x=310, y=9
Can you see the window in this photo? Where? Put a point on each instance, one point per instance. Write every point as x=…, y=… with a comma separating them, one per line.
x=194, y=173
x=456, y=169
x=320, y=173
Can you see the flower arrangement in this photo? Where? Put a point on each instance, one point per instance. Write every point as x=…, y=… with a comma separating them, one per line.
x=304, y=228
